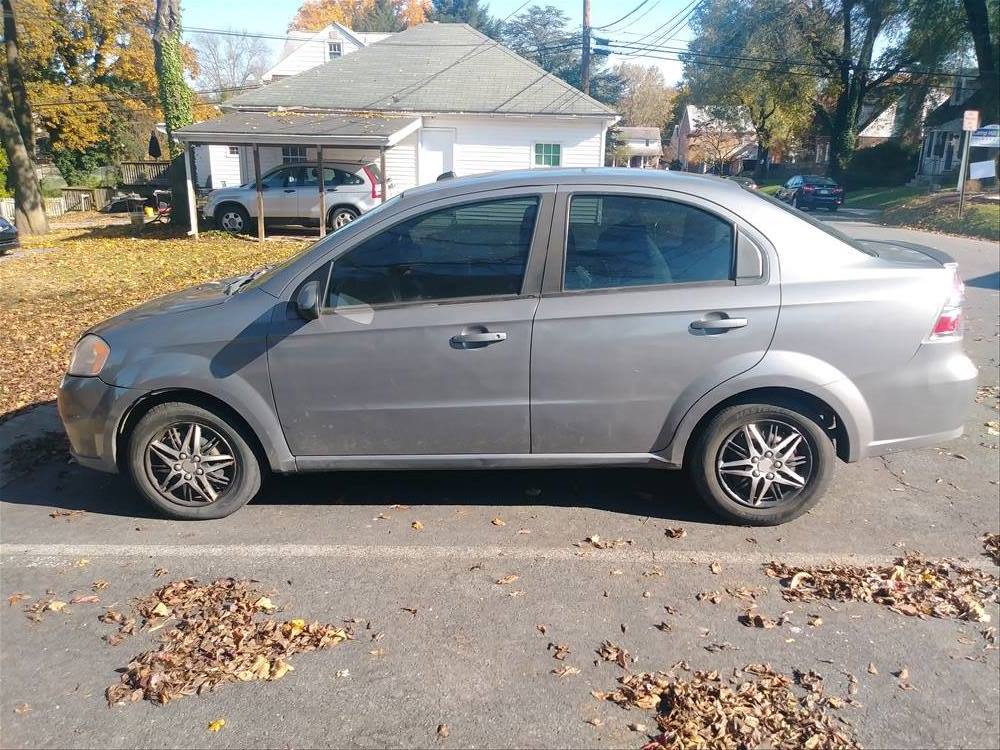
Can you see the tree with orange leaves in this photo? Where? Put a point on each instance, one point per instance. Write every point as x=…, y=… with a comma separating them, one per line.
x=368, y=15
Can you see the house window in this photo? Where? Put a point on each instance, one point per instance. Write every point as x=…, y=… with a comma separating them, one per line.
x=336, y=49
x=548, y=155
x=234, y=150
x=293, y=154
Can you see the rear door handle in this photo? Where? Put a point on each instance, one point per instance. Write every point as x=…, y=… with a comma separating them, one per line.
x=719, y=324
x=481, y=337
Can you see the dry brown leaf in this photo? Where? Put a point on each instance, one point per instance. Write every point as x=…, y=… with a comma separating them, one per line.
x=565, y=671
x=507, y=579
x=417, y=526
x=55, y=605
x=442, y=730
x=85, y=599
x=543, y=629
x=497, y=521
x=716, y=568
x=676, y=533
x=595, y=722
x=23, y=708
x=872, y=669
x=559, y=650
x=216, y=725
x=17, y=596
x=99, y=585
x=160, y=572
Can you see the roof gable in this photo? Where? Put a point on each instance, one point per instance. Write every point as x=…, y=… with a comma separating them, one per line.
x=433, y=67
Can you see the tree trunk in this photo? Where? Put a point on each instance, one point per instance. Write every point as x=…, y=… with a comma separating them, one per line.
x=986, y=60
x=175, y=96
x=15, y=78
x=16, y=132
x=29, y=207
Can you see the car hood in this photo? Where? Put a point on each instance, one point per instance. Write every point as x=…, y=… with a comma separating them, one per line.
x=203, y=295
x=222, y=193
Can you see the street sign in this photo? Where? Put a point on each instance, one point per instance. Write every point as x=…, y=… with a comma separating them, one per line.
x=970, y=120
x=987, y=136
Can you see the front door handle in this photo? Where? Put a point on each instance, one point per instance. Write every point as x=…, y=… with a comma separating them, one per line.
x=719, y=324
x=483, y=338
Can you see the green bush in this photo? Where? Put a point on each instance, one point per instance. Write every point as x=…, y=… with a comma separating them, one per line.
x=888, y=163
x=77, y=166
x=5, y=192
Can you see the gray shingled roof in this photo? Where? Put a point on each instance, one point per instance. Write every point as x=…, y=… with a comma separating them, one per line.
x=433, y=67
x=299, y=128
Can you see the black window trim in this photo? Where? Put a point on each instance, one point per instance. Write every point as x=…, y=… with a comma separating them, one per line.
x=539, y=197
x=562, y=291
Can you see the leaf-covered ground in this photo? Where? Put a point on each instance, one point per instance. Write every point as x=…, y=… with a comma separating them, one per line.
x=65, y=281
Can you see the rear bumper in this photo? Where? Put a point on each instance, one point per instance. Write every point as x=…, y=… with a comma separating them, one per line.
x=923, y=403
x=90, y=410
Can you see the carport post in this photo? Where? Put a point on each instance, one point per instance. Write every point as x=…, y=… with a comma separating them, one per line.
x=260, y=193
x=381, y=170
x=189, y=183
x=322, y=191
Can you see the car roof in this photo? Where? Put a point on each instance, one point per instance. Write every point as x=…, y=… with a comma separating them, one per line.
x=708, y=186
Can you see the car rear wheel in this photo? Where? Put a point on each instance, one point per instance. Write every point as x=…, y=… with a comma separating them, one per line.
x=191, y=464
x=796, y=204
x=833, y=208
x=341, y=217
x=232, y=218
x=761, y=465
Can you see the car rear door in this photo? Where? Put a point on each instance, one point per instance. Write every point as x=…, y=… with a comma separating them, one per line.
x=341, y=187
x=424, y=344
x=650, y=299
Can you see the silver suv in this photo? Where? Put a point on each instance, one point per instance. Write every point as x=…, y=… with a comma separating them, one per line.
x=551, y=318
x=291, y=196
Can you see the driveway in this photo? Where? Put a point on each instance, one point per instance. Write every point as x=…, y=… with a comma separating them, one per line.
x=413, y=560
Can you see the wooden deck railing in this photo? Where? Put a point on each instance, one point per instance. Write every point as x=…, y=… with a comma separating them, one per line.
x=144, y=172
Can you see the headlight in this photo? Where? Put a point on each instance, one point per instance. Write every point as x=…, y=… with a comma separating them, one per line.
x=89, y=356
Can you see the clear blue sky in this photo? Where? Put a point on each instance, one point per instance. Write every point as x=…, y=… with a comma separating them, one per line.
x=273, y=16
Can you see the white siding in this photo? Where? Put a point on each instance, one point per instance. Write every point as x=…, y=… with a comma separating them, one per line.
x=301, y=54
x=487, y=144
x=225, y=167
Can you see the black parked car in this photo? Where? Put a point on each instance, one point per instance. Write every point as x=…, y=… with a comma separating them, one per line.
x=812, y=191
x=8, y=236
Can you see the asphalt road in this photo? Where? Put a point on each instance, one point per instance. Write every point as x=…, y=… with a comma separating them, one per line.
x=332, y=547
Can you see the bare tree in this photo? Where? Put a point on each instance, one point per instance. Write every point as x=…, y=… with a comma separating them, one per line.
x=228, y=63
x=16, y=132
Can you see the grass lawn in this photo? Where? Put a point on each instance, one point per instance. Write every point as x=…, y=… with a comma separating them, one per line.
x=881, y=197
x=769, y=189
x=939, y=212
x=71, y=279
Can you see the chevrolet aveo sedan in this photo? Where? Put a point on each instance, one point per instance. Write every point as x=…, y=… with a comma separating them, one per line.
x=557, y=318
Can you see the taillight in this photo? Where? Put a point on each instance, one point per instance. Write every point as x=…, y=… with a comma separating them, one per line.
x=949, y=320
x=376, y=186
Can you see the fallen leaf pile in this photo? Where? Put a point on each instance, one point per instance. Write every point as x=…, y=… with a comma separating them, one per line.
x=756, y=708
x=613, y=652
x=103, y=271
x=913, y=586
x=991, y=544
x=215, y=637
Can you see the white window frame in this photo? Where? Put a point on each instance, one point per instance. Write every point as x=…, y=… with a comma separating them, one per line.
x=330, y=46
x=294, y=154
x=234, y=150
x=535, y=145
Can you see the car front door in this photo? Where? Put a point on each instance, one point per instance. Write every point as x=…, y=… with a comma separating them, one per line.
x=424, y=342
x=650, y=299
x=281, y=193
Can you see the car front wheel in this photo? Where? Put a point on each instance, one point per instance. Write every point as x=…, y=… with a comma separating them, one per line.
x=761, y=465
x=232, y=218
x=190, y=463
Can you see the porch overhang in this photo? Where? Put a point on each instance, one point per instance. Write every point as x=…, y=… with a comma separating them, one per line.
x=291, y=127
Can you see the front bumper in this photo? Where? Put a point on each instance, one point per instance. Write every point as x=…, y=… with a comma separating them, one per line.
x=90, y=410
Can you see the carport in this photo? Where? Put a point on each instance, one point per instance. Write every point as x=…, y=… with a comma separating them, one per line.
x=358, y=131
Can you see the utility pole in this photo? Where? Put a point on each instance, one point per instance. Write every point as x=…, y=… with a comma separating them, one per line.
x=585, y=57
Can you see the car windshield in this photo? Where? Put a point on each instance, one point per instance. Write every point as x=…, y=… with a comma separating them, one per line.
x=818, y=180
x=822, y=225
x=261, y=275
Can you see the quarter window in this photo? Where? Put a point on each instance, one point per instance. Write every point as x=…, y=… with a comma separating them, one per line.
x=472, y=250
x=622, y=240
x=548, y=155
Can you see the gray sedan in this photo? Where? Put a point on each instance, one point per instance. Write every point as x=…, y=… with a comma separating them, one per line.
x=550, y=318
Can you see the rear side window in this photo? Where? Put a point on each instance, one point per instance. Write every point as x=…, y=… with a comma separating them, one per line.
x=623, y=240
x=472, y=250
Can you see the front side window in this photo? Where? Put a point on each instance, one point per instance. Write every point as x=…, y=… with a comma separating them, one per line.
x=548, y=155
x=472, y=250
x=293, y=154
x=276, y=179
x=623, y=240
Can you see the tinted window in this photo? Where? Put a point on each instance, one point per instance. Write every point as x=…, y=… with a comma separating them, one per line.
x=275, y=179
x=619, y=240
x=817, y=180
x=332, y=177
x=472, y=250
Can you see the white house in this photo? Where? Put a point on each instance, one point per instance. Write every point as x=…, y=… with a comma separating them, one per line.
x=640, y=146
x=225, y=166
x=442, y=97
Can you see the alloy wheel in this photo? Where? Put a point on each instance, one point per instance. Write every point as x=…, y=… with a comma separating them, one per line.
x=190, y=463
x=342, y=219
x=232, y=221
x=764, y=463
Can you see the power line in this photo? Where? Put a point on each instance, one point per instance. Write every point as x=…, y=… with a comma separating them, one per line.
x=615, y=23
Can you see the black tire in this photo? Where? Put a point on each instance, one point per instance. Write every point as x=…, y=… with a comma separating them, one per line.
x=833, y=209
x=342, y=214
x=232, y=218
x=244, y=484
x=705, y=455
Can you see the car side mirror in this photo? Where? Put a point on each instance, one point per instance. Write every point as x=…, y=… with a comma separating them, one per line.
x=307, y=301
